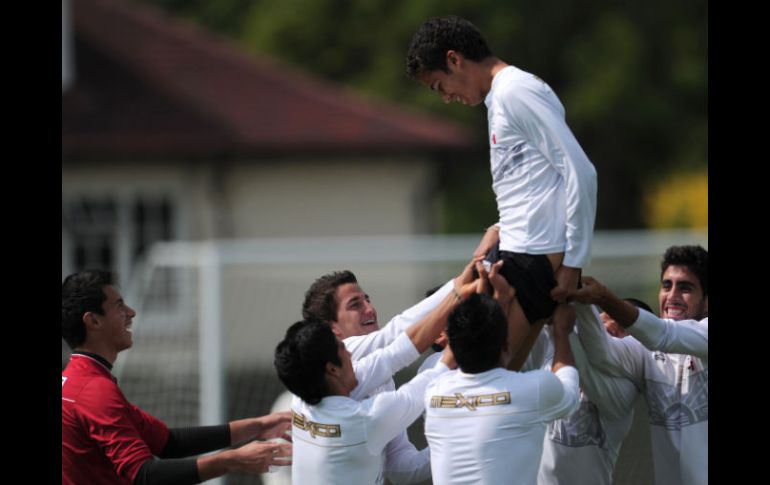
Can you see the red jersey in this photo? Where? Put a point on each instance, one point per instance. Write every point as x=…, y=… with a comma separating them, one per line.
x=105, y=438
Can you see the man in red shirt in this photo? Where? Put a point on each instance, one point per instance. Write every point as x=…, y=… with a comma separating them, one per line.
x=108, y=440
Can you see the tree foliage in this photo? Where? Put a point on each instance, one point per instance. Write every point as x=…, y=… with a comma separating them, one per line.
x=633, y=76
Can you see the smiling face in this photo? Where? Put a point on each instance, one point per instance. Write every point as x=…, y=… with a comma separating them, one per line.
x=462, y=84
x=355, y=313
x=681, y=295
x=112, y=329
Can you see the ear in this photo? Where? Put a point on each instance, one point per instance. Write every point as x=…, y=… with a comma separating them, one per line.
x=336, y=330
x=332, y=370
x=453, y=59
x=90, y=321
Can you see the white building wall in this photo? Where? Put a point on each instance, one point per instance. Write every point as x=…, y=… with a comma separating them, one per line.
x=329, y=198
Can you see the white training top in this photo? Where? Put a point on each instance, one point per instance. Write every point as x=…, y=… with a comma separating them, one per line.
x=489, y=427
x=583, y=446
x=544, y=183
x=342, y=441
x=403, y=462
x=675, y=385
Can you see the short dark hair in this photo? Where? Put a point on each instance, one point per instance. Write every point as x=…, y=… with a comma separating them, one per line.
x=694, y=258
x=429, y=45
x=301, y=357
x=321, y=298
x=478, y=332
x=639, y=304
x=80, y=293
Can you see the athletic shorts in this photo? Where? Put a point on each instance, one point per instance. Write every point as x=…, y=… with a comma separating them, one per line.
x=531, y=275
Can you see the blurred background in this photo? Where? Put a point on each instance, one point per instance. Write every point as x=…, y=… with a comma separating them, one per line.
x=222, y=154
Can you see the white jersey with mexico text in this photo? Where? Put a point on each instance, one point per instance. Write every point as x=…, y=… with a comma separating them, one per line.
x=544, y=183
x=404, y=464
x=342, y=441
x=669, y=362
x=489, y=427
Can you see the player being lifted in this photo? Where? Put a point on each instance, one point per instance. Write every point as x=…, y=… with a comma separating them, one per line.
x=544, y=183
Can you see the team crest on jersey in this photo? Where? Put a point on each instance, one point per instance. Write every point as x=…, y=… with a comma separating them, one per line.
x=674, y=407
x=316, y=429
x=471, y=402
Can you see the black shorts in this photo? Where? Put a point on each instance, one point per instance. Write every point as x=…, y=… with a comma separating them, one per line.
x=531, y=275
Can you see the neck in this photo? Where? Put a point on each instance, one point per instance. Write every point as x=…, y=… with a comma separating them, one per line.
x=495, y=65
x=489, y=68
x=109, y=356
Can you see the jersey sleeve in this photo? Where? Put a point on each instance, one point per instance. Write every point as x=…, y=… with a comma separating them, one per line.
x=390, y=413
x=689, y=337
x=558, y=393
x=620, y=357
x=614, y=396
x=376, y=368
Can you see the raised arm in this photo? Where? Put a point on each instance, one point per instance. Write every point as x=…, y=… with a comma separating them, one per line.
x=680, y=337
x=677, y=337
x=614, y=356
x=614, y=396
x=392, y=412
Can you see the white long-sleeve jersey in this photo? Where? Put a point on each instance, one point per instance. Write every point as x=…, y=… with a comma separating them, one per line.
x=544, y=183
x=404, y=463
x=673, y=375
x=583, y=446
x=342, y=441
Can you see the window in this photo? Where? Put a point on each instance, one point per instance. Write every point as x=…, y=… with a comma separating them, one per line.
x=111, y=232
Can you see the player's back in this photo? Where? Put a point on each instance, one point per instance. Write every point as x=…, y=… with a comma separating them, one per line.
x=330, y=444
x=489, y=427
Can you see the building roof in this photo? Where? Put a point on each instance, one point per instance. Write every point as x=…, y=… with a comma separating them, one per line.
x=149, y=84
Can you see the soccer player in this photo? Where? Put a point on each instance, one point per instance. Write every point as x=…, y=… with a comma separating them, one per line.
x=544, y=183
x=108, y=440
x=668, y=359
x=338, y=439
x=486, y=424
x=583, y=446
x=338, y=300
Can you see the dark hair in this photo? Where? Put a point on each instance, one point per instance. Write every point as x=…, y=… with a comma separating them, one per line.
x=320, y=299
x=80, y=293
x=477, y=331
x=427, y=51
x=301, y=357
x=639, y=304
x=694, y=258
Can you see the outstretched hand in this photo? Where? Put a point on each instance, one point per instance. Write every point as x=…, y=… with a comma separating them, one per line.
x=259, y=456
x=592, y=291
x=275, y=425
x=465, y=284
